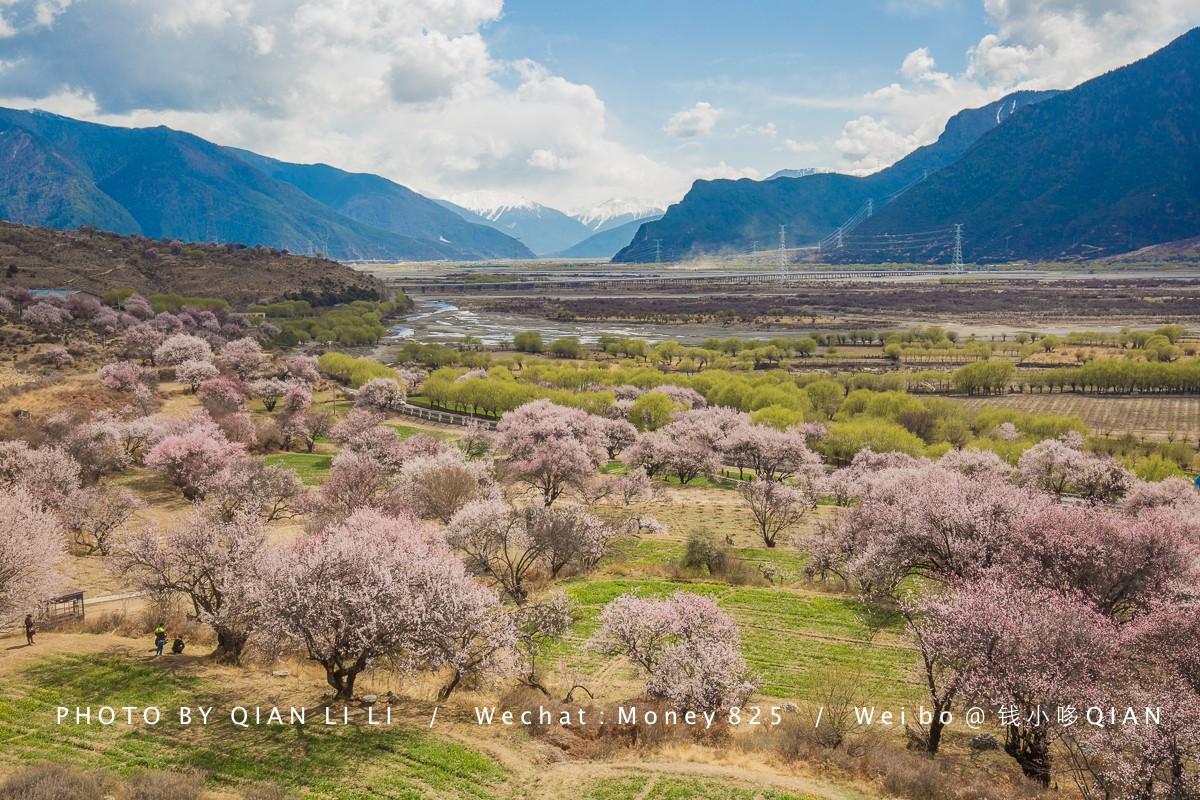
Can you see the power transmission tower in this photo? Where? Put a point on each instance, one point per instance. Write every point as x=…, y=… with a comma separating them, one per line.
x=782, y=245
x=839, y=238
x=870, y=208
x=958, y=254
x=754, y=252
x=658, y=251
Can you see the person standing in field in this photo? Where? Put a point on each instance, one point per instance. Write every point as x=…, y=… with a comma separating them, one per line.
x=29, y=630
x=160, y=640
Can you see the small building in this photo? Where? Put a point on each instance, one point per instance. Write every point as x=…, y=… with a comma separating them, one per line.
x=63, y=607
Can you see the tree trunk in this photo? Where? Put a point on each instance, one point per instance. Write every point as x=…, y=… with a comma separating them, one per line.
x=342, y=679
x=229, y=646
x=934, y=740
x=1028, y=746
x=444, y=692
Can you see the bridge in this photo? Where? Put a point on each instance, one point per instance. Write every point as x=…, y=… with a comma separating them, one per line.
x=660, y=280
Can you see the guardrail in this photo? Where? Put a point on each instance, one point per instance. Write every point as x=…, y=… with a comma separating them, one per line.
x=444, y=417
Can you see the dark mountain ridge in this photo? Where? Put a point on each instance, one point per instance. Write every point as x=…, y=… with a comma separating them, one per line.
x=735, y=215
x=1111, y=166
x=159, y=182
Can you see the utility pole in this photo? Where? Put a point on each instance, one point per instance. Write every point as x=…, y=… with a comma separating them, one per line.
x=782, y=245
x=658, y=251
x=958, y=254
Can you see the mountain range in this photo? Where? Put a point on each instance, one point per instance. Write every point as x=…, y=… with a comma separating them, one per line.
x=550, y=232
x=542, y=229
x=1110, y=166
x=616, y=213
x=609, y=240
x=740, y=215
x=63, y=173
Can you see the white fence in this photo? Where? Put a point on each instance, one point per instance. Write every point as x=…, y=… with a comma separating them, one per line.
x=443, y=417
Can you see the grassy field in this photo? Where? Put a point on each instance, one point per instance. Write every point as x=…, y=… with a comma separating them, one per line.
x=408, y=431
x=659, y=787
x=312, y=468
x=344, y=762
x=795, y=641
x=1149, y=416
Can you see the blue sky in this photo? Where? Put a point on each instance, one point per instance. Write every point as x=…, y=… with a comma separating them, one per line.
x=756, y=61
x=566, y=103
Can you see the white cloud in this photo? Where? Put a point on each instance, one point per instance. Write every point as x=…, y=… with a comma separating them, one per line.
x=1037, y=44
x=264, y=38
x=409, y=90
x=46, y=11
x=1058, y=43
x=868, y=144
x=919, y=66
x=699, y=120
x=548, y=160
x=798, y=147
x=431, y=66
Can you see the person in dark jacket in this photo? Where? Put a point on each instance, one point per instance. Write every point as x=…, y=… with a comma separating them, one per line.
x=29, y=629
x=177, y=645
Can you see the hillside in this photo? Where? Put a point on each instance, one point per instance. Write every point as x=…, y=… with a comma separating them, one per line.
x=736, y=215
x=608, y=241
x=94, y=262
x=1108, y=167
x=64, y=173
x=1184, y=251
x=380, y=203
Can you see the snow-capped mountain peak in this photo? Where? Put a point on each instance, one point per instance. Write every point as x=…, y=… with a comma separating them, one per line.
x=615, y=212
x=493, y=205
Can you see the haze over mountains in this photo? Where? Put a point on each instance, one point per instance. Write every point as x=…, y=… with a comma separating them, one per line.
x=550, y=232
x=609, y=240
x=1108, y=167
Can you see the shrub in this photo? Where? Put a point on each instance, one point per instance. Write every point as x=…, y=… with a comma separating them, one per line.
x=158, y=785
x=567, y=347
x=351, y=370
x=528, y=342
x=704, y=552
x=54, y=782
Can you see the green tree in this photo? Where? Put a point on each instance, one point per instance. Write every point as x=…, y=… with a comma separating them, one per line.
x=826, y=396
x=528, y=342
x=652, y=410
x=567, y=347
